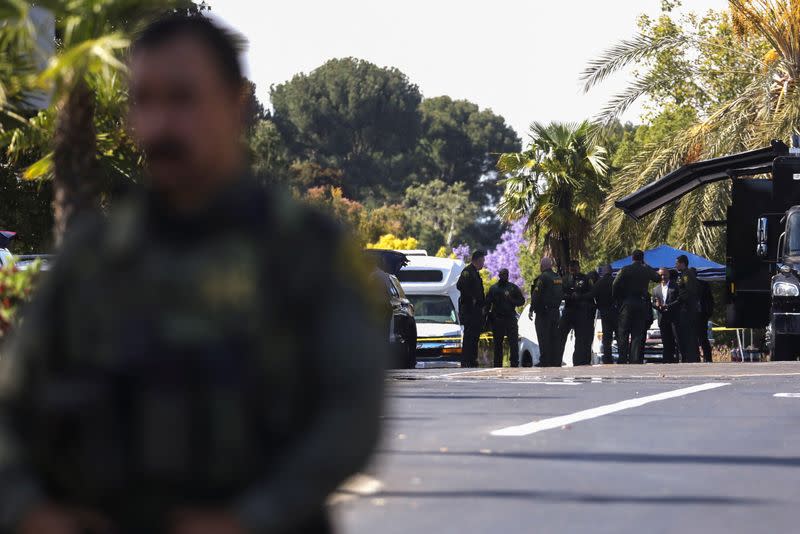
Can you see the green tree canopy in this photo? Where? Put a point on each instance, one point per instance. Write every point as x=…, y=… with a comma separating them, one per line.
x=461, y=143
x=439, y=212
x=352, y=115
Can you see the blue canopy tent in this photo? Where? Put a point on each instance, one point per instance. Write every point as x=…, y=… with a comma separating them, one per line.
x=665, y=256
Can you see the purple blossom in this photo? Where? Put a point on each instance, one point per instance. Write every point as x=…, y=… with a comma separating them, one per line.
x=506, y=255
x=463, y=252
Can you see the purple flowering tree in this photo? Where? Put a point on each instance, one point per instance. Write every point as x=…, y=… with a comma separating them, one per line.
x=462, y=252
x=506, y=255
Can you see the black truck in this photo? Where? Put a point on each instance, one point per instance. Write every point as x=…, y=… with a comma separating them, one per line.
x=763, y=235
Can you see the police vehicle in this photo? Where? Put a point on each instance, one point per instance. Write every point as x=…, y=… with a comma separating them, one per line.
x=402, y=328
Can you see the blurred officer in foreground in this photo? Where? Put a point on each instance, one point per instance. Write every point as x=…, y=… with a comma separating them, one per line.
x=546, y=296
x=631, y=289
x=704, y=316
x=665, y=299
x=609, y=310
x=184, y=370
x=688, y=310
x=502, y=301
x=472, y=307
x=577, y=306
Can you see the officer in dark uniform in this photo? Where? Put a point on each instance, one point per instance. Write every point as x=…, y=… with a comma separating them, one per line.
x=631, y=289
x=577, y=306
x=593, y=277
x=502, y=302
x=546, y=296
x=706, y=311
x=609, y=311
x=181, y=369
x=472, y=308
x=688, y=310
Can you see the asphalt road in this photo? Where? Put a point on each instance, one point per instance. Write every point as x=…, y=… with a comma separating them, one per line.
x=654, y=448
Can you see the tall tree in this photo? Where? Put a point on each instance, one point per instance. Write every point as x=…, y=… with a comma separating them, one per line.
x=269, y=155
x=557, y=185
x=352, y=115
x=461, y=143
x=439, y=212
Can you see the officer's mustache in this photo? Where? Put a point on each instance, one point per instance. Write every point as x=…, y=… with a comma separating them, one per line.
x=165, y=151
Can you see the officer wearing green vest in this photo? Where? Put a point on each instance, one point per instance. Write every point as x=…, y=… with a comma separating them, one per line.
x=502, y=302
x=578, y=315
x=472, y=307
x=181, y=368
x=546, y=297
x=609, y=311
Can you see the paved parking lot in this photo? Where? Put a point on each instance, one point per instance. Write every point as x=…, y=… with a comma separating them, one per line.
x=653, y=448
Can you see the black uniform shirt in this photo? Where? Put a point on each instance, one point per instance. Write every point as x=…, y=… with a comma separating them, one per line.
x=688, y=290
x=633, y=281
x=470, y=285
x=503, y=299
x=602, y=294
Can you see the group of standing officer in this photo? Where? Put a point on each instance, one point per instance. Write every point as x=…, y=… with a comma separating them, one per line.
x=498, y=306
x=582, y=295
x=684, y=305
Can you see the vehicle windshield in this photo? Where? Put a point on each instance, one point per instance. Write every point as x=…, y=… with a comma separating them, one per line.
x=793, y=234
x=433, y=309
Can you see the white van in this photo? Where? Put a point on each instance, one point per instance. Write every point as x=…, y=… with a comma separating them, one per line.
x=430, y=285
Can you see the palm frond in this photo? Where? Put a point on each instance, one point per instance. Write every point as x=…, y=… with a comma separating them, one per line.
x=624, y=54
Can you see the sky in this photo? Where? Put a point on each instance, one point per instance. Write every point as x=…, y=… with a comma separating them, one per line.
x=521, y=58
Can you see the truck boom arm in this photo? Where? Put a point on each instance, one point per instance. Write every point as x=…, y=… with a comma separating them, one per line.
x=689, y=177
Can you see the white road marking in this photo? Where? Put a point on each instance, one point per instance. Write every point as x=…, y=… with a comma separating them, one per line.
x=558, y=422
x=464, y=373
x=357, y=486
x=517, y=381
x=787, y=395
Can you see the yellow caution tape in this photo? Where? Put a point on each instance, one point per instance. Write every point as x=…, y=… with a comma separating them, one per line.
x=485, y=337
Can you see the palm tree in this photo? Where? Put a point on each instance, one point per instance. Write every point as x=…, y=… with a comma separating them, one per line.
x=768, y=107
x=557, y=184
x=78, y=139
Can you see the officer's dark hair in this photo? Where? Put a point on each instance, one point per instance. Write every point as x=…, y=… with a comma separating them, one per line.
x=224, y=46
x=478, y=254
x=574, y=263
x=638, y=255
x=683, y=259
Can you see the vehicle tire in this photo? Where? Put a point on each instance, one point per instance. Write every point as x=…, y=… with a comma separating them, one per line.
x=784, y=348
x=527, y=359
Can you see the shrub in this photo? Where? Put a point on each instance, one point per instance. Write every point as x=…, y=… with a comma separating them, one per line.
x=16, y=286
x=391, y=242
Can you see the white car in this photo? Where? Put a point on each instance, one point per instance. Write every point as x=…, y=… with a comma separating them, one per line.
x=5, y=257
x=22, y=262
x=529, y=343
x=653, y=349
